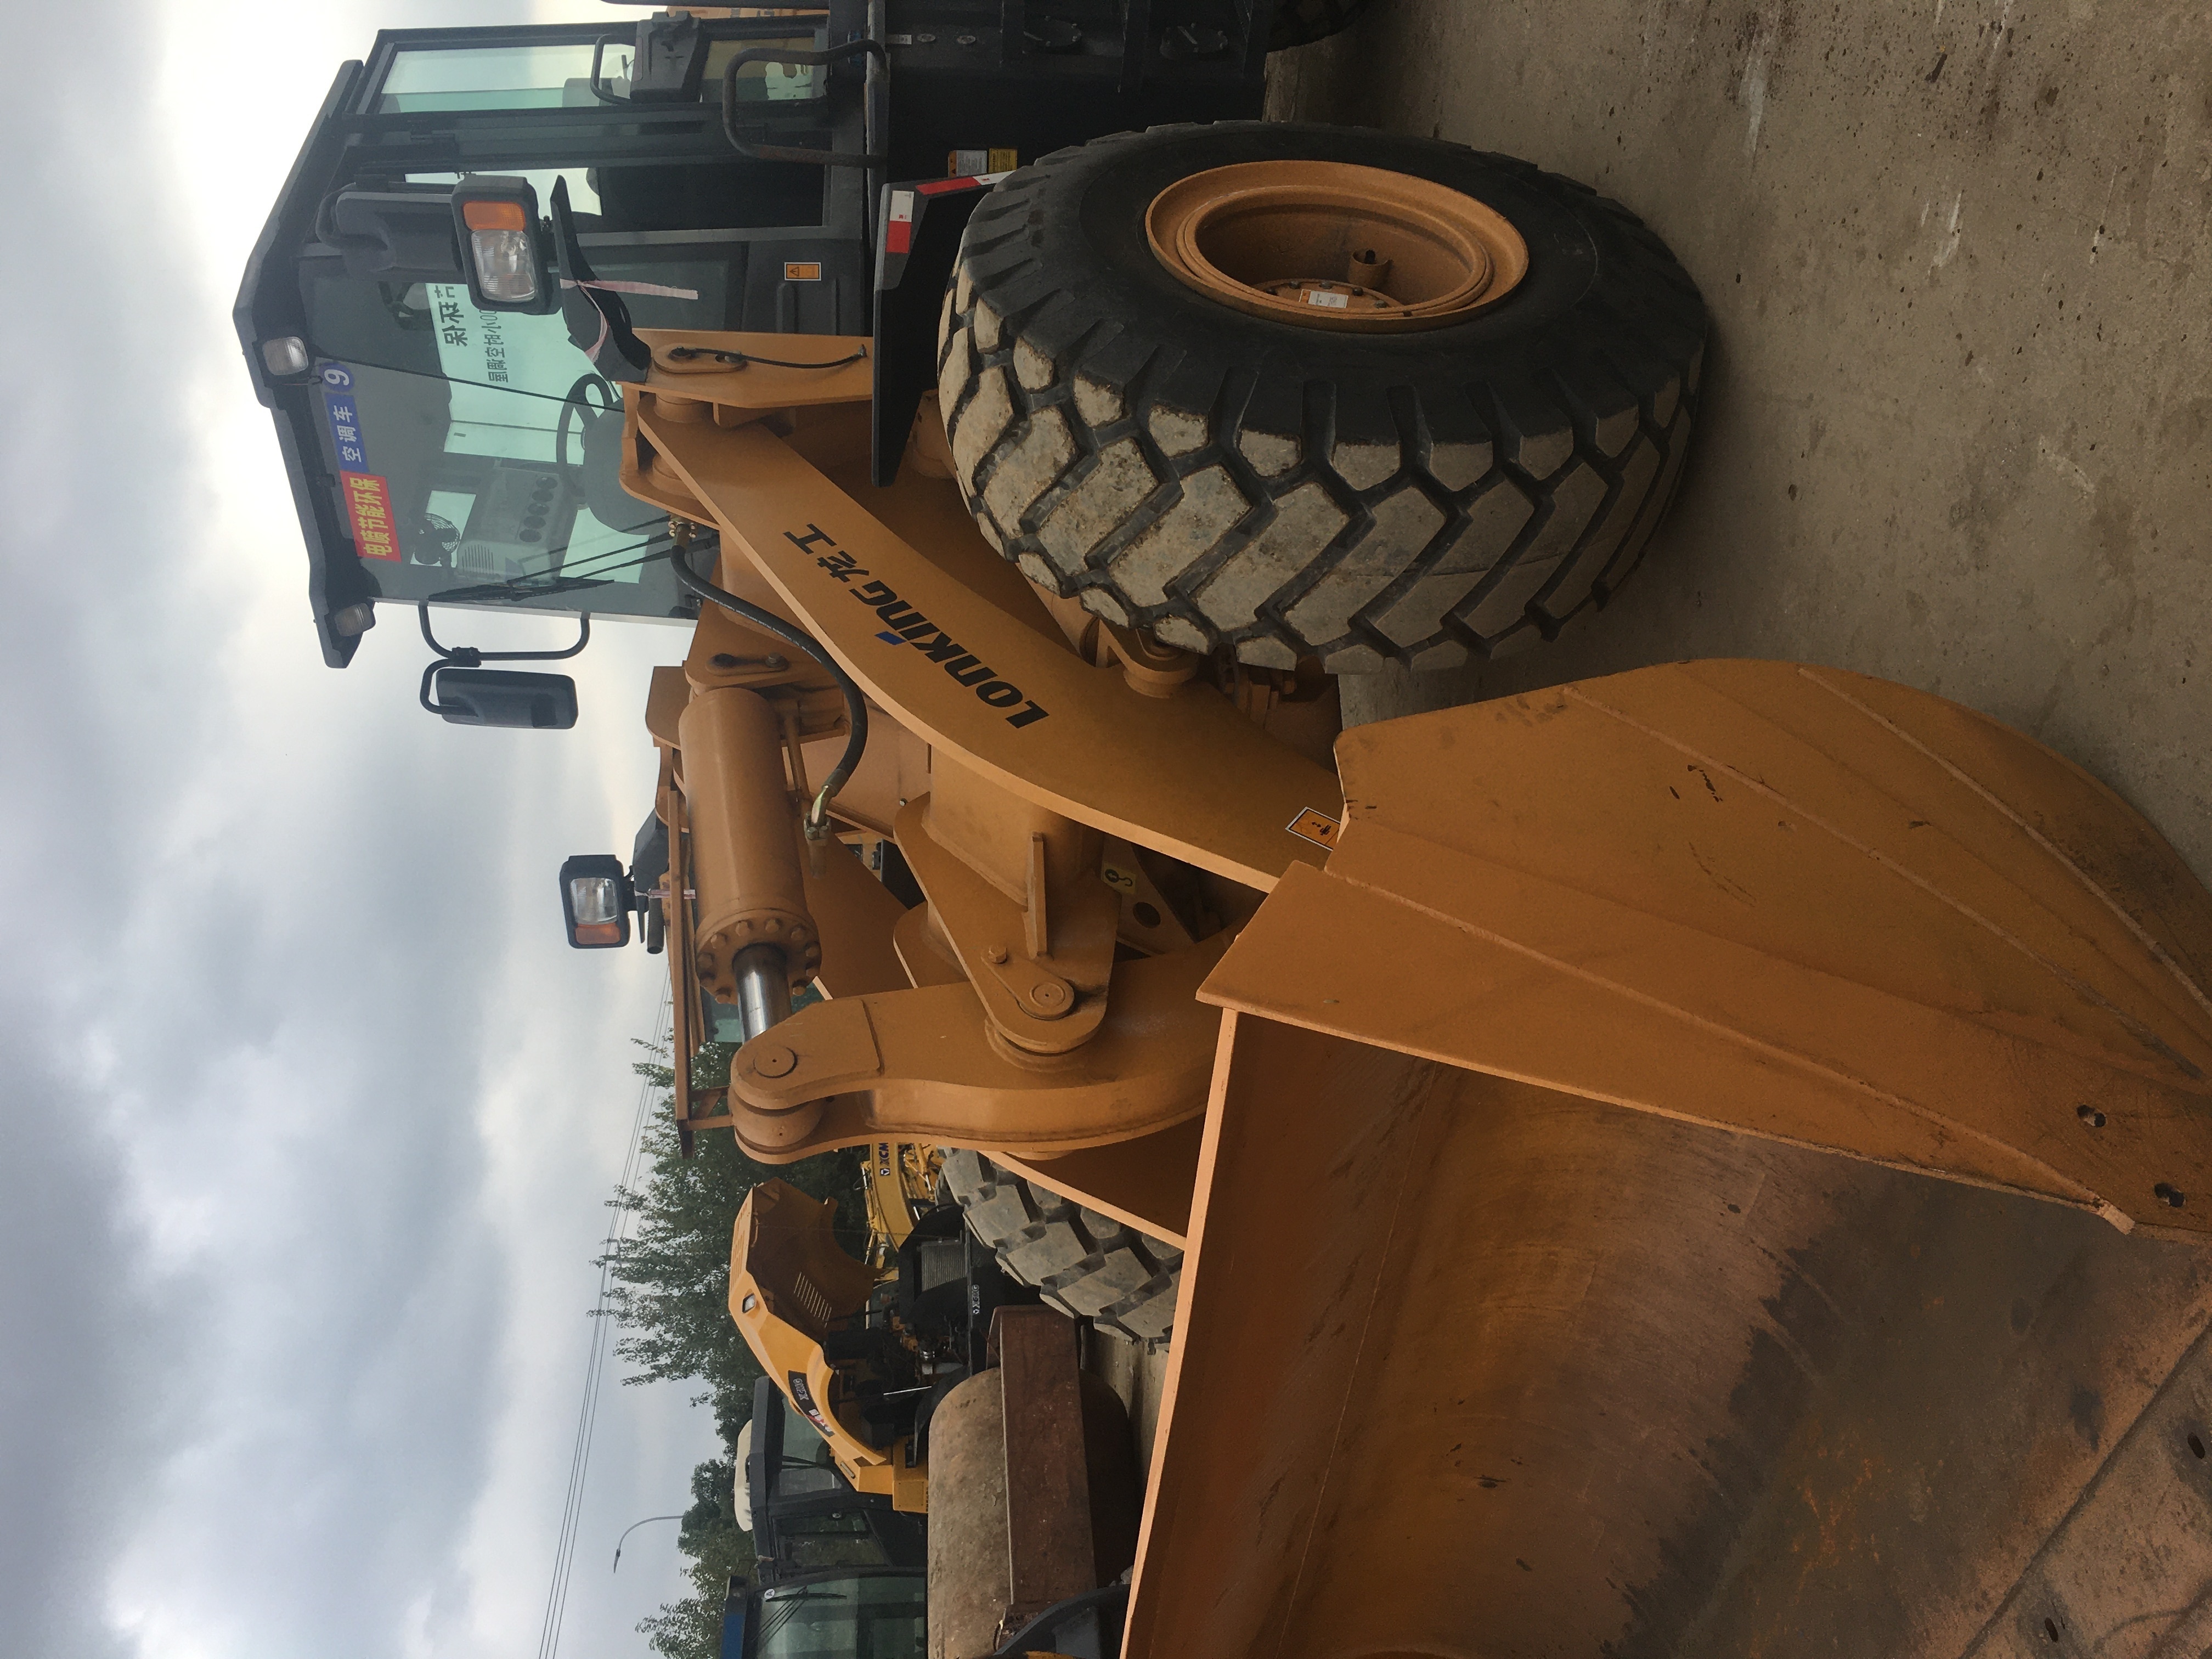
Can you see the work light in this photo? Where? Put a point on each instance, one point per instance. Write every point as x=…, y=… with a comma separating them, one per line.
x=499, y=244
x=596, y=899
x=495, y=221
x=286, y=355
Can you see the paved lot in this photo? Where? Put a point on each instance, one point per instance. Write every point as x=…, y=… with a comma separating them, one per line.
x=1957, y=419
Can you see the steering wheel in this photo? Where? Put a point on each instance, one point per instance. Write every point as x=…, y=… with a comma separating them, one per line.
x=577, y=408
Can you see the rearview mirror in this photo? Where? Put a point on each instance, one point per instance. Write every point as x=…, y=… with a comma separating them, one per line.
x=496, y=696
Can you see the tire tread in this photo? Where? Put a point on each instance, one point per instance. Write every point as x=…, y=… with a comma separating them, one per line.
x=1184, y=535
x=1087, y=1265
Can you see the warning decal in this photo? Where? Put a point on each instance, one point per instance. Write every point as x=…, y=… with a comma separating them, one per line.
x=1312, y=826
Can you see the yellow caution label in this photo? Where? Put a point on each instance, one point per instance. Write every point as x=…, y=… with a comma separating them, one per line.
x=1317, y=828
x=802, y=271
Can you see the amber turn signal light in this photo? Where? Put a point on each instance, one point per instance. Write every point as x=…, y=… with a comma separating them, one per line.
x=493, y=215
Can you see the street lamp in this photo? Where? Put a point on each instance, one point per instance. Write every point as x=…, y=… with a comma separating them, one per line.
x=632, y=1527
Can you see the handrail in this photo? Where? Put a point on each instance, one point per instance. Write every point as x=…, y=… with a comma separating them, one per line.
x=792, y=58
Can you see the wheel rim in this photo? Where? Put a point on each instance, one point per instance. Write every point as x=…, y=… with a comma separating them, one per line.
x=1329, y=244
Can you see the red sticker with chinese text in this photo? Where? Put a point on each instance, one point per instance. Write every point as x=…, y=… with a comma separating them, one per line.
x=368, y=504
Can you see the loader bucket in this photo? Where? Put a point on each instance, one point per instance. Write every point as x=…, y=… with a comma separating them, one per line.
x=1568, y=1271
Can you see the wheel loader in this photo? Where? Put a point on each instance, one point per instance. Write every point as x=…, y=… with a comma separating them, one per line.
x=1713, y=1159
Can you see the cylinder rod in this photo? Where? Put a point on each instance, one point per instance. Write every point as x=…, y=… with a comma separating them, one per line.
x=764, y=988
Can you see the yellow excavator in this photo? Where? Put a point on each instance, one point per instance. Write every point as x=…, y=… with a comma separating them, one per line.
x=900, y=1184
x=1713, y=1159
x=794, y=1293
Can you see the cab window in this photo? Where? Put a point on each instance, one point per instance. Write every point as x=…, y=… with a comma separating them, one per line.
x=805, y=1466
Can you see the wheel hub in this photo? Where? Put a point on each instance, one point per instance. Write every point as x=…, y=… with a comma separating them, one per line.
x=1329, y=245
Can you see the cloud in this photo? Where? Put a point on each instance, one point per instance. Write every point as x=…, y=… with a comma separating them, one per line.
x=309, y=1118
x=69, y=1455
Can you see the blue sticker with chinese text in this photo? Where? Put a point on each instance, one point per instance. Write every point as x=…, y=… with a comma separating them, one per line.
x=345, y=426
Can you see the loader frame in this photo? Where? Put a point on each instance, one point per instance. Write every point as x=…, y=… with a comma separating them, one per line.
x=1499, y=978
x=1009, y=1025
x=1021, y=1034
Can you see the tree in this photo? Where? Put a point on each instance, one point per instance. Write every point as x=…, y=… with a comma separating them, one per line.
x=671, y=1297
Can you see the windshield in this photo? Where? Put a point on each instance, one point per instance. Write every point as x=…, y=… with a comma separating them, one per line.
x=806, y=1464
x=881, y=1616
x=479, y=452
x=554, y=74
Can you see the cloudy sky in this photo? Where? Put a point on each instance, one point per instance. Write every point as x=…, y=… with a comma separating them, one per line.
x=309, y=1117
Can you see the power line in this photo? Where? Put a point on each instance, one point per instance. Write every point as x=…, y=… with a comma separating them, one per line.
x=580, y=1458
x=556, y=1599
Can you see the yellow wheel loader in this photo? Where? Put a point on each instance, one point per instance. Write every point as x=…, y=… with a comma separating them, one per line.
x=1710, y=1160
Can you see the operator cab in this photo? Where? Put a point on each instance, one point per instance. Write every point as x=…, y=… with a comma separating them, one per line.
x=807, y=1517
x=452, y=427
x=449, y=442
x=829, y=1615
x=841, y=1572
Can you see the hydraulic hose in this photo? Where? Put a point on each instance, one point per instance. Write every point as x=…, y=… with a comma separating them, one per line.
x=816, y=822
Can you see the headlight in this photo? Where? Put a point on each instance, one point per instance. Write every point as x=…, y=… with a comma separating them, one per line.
x=500, y=246
x=595, y=898
x=500, y=242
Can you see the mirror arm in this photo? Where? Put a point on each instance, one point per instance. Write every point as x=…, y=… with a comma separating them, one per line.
x=468, y=656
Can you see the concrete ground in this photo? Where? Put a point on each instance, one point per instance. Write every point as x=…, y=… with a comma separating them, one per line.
x=1957, y=418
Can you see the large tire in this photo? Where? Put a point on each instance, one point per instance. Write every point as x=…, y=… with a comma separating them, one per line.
x=1302, y=22
x=1224, y=480
x=1087, y=1265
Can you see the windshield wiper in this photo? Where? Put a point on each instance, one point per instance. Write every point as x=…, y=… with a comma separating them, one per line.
x=785, y=1608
